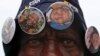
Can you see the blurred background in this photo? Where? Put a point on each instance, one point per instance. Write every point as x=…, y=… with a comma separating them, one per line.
x=91, y=10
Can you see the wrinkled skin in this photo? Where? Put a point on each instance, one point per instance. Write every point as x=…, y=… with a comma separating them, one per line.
x=52, y=43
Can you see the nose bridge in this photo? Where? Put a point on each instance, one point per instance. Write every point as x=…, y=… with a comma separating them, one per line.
x=51, y=49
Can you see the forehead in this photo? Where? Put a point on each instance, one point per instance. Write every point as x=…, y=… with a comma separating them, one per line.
x=72, y=33
x=50, y=33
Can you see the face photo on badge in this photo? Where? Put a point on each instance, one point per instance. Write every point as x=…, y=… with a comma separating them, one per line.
x=59, y=16
x=8, y=30
x=92, y=39
x=31, y=20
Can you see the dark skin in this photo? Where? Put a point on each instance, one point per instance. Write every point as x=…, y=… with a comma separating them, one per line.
x=52, y=43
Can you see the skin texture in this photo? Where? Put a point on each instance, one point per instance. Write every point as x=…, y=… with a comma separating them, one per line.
x=52, y=43
x=95, y=40
x=61, y=15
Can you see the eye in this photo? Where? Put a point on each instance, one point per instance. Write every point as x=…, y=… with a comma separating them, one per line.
x=68, y=43
x=35, y=42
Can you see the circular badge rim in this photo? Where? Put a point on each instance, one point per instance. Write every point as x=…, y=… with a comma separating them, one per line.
x=43, y=18
x=5, y=23
x=94, y=50
x=50, y=8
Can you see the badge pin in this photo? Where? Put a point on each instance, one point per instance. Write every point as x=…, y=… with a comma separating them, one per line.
x=8, y=30
x=92, y=39
x=31, y=20
x=59, y=16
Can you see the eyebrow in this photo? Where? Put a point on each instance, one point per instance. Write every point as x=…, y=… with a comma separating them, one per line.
x=70, y=34
x=41, y=36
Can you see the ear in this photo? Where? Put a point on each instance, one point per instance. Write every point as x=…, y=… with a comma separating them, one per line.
x=92, y=39
x=8, y=30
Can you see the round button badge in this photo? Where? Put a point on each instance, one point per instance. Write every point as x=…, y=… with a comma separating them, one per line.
x=31, y=20
x=59, y=16
x=8, y=30
x=92, y=39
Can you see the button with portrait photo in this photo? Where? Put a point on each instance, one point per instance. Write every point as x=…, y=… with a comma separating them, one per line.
x=8, y=30
x=92, y=39
x=31, y=20
x=59, y=16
